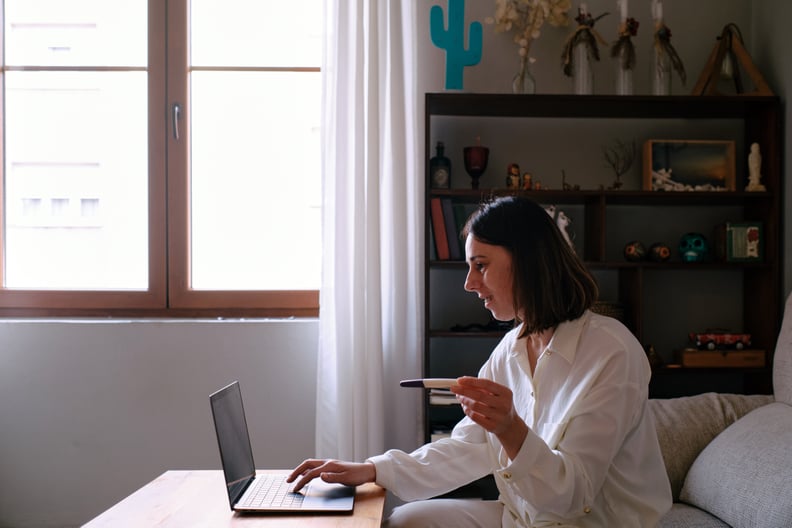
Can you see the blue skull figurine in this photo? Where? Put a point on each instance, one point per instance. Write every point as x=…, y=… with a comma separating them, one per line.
x=693, y=247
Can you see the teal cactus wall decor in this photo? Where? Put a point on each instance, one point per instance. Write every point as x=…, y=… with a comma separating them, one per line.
x=452, y=40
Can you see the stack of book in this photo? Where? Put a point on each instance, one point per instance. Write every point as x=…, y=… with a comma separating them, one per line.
x=448, y=220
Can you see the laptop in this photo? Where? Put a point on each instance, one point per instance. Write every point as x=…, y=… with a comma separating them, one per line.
x=266, y=492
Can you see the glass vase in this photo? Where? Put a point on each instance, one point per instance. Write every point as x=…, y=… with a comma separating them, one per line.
x=582, y=73
x=524, y=82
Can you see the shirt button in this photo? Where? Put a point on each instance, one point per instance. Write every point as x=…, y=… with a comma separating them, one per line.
x=586, y=510
x=506, y=475
x=532, y=394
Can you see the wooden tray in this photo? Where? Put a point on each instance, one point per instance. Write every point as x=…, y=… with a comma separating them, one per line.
x=691, y=357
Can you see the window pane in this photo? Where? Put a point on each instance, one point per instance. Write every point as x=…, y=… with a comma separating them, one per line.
x=76, y=172
x=256, y=33
x=255, y=182
x=76, y=32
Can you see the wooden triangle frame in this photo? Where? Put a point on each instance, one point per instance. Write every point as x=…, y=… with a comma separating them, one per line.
x=730, y=42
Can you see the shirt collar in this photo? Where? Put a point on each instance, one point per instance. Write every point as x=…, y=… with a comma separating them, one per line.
x=564, y=341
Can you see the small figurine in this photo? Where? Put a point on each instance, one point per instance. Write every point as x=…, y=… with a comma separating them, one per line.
x=526, y=181
x=565, y=186
x=562, y=221
x=513, y=177
x=754, y=169
x=693, y=247
x=634, y=251
x=659, y=252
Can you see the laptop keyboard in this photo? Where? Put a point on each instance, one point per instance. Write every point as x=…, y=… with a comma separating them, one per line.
x=272, y=491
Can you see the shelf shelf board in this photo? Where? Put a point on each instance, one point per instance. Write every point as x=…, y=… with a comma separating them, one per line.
x=674, y=265
x=594, y=106
x=644, y=264
x=610, y=197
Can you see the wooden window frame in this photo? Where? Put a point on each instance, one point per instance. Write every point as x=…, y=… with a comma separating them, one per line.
x=169, y=293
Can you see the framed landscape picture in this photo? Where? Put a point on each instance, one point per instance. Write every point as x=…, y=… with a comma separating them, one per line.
x=689, y=165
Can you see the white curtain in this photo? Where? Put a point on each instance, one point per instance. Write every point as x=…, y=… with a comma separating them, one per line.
x=370, y=320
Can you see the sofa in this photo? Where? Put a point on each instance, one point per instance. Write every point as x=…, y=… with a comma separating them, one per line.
x=729, y=456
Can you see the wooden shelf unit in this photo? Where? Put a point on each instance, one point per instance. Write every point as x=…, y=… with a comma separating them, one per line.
x=759, y=118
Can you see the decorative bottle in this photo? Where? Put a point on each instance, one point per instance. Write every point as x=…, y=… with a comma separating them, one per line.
x=440, y=169
x=623, y=51
x=624, y=76
x=662, y=62
x=582, y=72
x=524, y=82
x=661, y=81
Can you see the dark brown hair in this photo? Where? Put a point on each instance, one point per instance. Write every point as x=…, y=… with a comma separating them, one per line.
x=550, y=282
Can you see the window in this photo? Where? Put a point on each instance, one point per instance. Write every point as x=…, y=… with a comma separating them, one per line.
x=161, y=157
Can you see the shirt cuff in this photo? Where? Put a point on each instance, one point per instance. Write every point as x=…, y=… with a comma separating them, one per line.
x=384, y=469
x=528, y=456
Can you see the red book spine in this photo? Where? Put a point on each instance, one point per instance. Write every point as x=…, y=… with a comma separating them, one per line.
x=438, y=226
x=451, y=230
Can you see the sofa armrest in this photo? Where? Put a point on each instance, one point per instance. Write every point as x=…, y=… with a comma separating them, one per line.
x=686, y=425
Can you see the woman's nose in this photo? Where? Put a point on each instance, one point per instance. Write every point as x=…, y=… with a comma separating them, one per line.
x=470, y=284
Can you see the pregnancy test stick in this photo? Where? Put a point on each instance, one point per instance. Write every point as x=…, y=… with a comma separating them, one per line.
x=430, y=383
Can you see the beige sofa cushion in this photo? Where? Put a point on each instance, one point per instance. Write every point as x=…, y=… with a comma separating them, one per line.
x=744, y=476
x=686, y=516
x=686, y=425
x=782, y=361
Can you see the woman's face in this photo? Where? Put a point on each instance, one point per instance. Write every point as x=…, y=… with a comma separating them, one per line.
x=490, y=276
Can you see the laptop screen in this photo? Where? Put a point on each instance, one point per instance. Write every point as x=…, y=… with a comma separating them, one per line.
x=233, y=440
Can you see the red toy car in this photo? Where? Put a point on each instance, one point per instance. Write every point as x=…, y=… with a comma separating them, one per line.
x=715, y=340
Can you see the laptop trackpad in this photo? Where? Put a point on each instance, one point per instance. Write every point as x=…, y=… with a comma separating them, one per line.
x=321, y=495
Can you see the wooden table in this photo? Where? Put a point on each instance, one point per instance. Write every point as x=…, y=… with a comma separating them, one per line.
x=198, y=499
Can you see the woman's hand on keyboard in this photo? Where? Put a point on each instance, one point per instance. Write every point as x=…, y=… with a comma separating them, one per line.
x=348, y=473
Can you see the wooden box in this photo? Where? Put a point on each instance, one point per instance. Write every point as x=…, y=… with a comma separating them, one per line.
x=691, y=358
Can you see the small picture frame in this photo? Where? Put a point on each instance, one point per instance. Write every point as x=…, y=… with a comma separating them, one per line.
x=689, y=165
x=739, y=242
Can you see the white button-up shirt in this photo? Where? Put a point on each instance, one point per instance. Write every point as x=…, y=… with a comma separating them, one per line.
x=591, y=457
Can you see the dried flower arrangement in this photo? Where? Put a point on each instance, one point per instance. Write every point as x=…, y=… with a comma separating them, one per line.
x=620, y=157
x=584, y=34
x=623, y=48
x=662, y=42
x=526, y=18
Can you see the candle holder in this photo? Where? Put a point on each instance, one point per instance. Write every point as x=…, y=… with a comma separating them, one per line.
x=476, y=163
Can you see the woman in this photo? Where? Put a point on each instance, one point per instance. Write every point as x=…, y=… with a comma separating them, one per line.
x=558, y=413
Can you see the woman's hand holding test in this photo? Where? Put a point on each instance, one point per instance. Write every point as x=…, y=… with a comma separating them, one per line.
x=491, y=406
